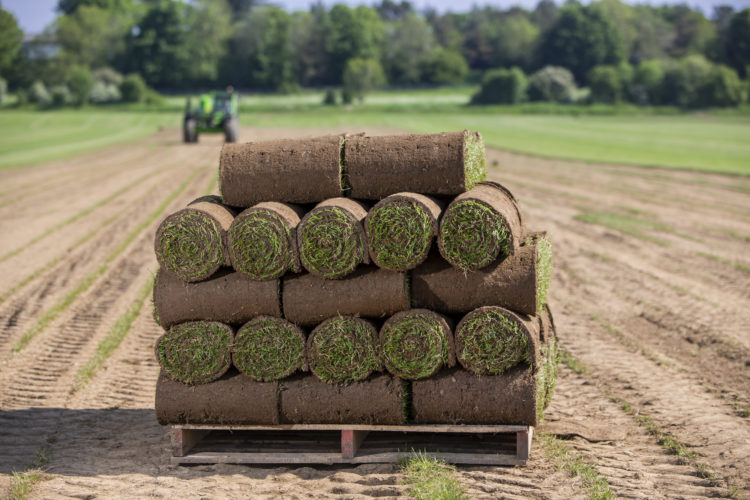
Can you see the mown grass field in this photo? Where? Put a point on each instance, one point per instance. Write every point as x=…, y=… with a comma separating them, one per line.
x=710, y=141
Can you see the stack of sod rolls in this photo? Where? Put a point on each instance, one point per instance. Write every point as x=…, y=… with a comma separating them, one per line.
x=354, y=280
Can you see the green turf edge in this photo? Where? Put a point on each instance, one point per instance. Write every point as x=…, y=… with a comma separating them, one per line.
x=257, y=243
x=343, y=350
x=399, y=233
x=472, y=235
x=431, y=479
x=475, y=159
x=331, y=243
x=543, y=271
x=268, y=349
x=207, y=352
x=491, y=343
x=415, y=346
x=190, y=244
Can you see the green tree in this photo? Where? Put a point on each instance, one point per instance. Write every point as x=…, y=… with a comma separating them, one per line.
x=363, y=75
x=692, y=31
x=738, y=42
x=409, y=45
x=355, y=33
x=80, y=84
x=67, y=7
x=653, y=34
x=514, y=41
x=581, y=38
x=683, y=81
x=445, y=66
x=11, y=38
x=92, y=36
x=501, y=86
x=647, y=80
x=606, y=84
x=722, y=88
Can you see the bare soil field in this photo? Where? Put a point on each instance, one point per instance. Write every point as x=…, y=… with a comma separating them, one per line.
x=650, y=295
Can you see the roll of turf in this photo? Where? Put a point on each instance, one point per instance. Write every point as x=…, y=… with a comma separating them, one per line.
x=192, y=242
x=262, y=240
x=415, y=344
x=290, y=171
x=480, y=226
x=268, y=348
x=331, y=239
x=232, y=399
x=435, y=164
x=519, y=282
x=379, y=400
x=491, y=339
x=196, y=352
x=400, y=230
x=343, y=349
x=368, y=292
x=227, y=296
x=456, y=396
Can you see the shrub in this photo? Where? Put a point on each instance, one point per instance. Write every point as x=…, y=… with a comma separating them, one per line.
x=108, y=76
x=552, y=83
x=330, y=98
x=3, y=90
x=39, y=94
x=646, y=83
x=80, y=84
x=722, y=88
x=103, y=92
x=346, y=95
x=606, y=84
x=61, y=95
x=501, y=86
x=445, y=66
x=683, y=81
x=363, y=75
x=133, y=88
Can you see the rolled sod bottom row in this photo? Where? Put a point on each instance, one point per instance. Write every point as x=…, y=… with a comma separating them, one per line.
x=269, y=348
x=453, y=396
x=196, y=352
x=343, y=349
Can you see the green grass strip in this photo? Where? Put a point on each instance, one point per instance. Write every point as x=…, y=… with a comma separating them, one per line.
x=269, y=348
x=22, y=482
x=343, y=349
x=53, y=312
x=331, y=242
x=113, y=339
x=627, y=224
x=196, y=352
x=543, y=271
x=488, y=342
x=190, y=244
x=596, y=486
x=473, y=235
x=76, y=217
x=261, y=243
x=414, y=345
x=475, y=159
x=432, y=479
x=399, y=234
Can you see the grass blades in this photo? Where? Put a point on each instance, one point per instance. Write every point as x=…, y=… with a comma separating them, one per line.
x=196, y=352
x=627, y=224
x=596, y=486
x=488, y=342
x=269, y=348
x=431, y=479
x=415, y=344
x=475, y=159
x=543, y=271
x=261, y=244
x=113, y=339
x=399, y=234
x=343, y=349
x=331, y=242
x=190, y=244
x=22, y=482
x=472, y=235
x=53, y=312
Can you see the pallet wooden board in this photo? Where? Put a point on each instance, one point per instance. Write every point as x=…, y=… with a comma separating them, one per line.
x=358, y=444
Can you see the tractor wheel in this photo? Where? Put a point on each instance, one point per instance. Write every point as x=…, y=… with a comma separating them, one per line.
x=188, y=131
x=230, y=130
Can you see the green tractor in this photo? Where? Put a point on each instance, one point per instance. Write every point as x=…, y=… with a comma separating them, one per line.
x=216, y=113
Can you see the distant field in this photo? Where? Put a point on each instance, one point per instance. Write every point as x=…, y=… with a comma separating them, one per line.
x=712, y=142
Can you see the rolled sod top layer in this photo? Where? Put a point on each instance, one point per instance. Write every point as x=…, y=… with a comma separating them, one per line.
x=415, y=344
x=331, y=239
x=343, y=349
x=191, y=243
x=262, y=240
x=196, y=352
x=436, y=164
x=290, y=171
x=400, y=230
x=269, y=348
x=368, y=292
x=479, y=226
x=491, y=339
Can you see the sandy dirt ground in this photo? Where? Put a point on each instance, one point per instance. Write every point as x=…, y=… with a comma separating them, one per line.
x=654, y=312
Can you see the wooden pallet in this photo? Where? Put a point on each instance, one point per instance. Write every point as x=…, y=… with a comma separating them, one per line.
x=349, y=444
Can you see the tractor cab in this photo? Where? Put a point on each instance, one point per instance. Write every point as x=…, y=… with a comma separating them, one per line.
x=216, y=112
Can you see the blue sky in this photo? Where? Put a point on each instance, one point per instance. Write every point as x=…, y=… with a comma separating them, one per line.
x=34, y=15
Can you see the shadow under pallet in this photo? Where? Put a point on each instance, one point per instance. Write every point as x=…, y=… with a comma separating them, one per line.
x=349, y=444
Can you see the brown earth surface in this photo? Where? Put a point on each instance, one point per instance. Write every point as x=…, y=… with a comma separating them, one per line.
x=651, y=301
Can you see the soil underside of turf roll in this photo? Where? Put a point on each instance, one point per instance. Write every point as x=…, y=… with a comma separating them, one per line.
x=233, y=399
x=456, y=396
x=479, y=226
x=436, y=164
x=331, y=238
x=369, y=292
x=417, y=343
x=511, y=282
x=400, y=230
x=262, y=241
x=228, y=296
x=192, y=242
x=377, y=401
x=290, y=171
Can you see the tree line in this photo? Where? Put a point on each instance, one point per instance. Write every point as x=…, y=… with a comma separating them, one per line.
x=606, y=50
